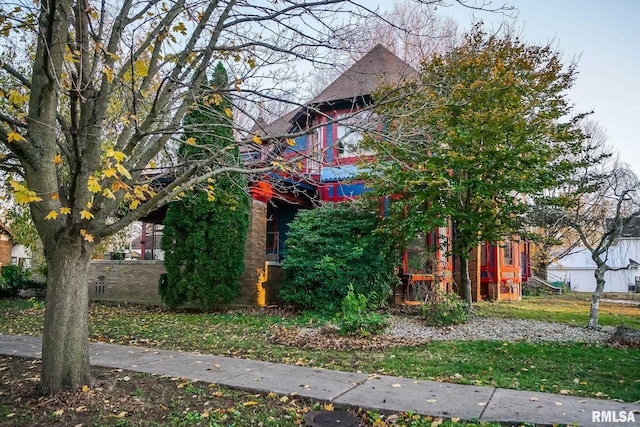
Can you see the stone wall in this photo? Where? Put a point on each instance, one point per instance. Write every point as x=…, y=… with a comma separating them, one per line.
x=125, y=281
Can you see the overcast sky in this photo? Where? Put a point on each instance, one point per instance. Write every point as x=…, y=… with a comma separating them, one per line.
x=605, y=35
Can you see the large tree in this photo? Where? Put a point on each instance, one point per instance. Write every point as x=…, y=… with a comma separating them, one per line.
x=483, y=126
x=92, y=100
x=205, y=231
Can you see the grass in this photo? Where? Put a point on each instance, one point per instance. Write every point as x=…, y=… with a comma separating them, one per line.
x=572, y=309
x=571, y=368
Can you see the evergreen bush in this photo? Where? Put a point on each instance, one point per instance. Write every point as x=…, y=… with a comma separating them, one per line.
x=332, y=247
x=205, y=232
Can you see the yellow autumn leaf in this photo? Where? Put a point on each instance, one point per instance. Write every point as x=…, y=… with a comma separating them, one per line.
x=191, y=141
x=291, y=141
x=108, y=194
x=57, y=159
x=22, y=194
x=14, y=136
x=118, y=155
x=85, y=214
x=51, y=215
x=250, y=403
x=110, y=172
x=228, y=112
x=85, y=388
x=257, y=139
x=86, y=236
x=121, y=414
x=65, y=211
x=134, y=204
x=89, y=204
x=140, y=68
x=17, y=98
x=108, y=71
x=118, y=185
x=181, y=28
x=54, y=196
x=112, y=56
x=123, y=171
x=58, y=412
x=93, y=185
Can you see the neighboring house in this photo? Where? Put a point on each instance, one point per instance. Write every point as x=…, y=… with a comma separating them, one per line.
x=577, y=269
x=331, y=125
x=11, y=253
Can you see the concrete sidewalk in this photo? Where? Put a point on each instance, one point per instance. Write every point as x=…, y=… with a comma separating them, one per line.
x=353, y=389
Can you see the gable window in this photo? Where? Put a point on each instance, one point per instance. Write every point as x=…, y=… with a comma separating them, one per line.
x=349, y=133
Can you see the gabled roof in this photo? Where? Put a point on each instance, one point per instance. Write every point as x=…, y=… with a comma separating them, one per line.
x=376, y=67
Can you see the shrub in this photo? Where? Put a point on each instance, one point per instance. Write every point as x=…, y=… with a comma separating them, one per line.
x=357, y=318
x=330, y=248
x=445, y=309
x=12, y=280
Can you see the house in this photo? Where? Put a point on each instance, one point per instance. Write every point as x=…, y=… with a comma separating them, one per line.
x=330, y=126
x=323, y=146
x=11, y=253
x=577, y=269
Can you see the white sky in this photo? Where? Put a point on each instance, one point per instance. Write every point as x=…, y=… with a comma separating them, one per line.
x=605, y=35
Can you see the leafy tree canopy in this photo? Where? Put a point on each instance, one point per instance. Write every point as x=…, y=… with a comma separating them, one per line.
x=480, y=128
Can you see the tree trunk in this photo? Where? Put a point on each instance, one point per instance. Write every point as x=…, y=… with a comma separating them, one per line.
x=595, y=298
x=65, y=342
x=466, y=280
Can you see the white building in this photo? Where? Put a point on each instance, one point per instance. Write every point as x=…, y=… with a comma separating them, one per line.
x=578, y=268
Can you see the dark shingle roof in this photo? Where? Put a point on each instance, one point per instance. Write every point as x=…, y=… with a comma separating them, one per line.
x=377, y=66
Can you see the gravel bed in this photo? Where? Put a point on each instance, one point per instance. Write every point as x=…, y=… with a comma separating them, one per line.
x=479, y=328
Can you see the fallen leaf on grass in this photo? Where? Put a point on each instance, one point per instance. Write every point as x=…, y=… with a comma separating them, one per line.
x=566, y=392
x=121, y=414
x=58, y=412
x=250, y=403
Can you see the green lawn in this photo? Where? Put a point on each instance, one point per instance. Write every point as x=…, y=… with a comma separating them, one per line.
x=573, y=368
x=571, y=309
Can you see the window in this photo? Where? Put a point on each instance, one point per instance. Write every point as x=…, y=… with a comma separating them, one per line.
x=349, y=133
x=314, y=162
x=421, y=253
x=508, y=253
x=484, y=249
